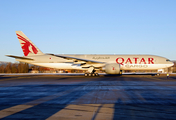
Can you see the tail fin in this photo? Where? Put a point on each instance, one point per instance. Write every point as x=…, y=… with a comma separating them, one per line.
x=27, y=45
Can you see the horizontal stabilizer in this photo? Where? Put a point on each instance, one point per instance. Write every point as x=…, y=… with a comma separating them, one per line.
x=17, y=57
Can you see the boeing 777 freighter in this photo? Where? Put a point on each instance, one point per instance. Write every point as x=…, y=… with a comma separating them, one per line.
x=112, y=64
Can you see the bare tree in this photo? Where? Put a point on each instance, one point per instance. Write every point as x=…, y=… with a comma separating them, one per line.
x=14, y=68
x=2, y=69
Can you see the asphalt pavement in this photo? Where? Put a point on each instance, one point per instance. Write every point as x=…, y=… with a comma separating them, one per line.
x=55, y=97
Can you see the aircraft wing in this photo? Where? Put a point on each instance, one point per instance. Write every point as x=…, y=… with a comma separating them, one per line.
x=17, y=57
x=78, y=59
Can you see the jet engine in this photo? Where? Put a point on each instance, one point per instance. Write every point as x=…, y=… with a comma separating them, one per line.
x=112, y=68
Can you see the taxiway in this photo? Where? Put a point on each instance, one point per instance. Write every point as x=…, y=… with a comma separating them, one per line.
x=91, y=98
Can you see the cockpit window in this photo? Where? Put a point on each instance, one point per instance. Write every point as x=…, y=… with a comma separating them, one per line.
x=167, y=60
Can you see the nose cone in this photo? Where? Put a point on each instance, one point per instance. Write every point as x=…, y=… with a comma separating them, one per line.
x=171, y=64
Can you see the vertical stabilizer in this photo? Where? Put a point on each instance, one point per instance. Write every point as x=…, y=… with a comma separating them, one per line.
x=27, y=45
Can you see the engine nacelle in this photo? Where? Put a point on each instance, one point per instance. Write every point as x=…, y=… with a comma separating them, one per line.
x=112, y=68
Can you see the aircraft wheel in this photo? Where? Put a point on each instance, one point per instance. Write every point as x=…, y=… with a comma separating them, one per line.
x=96, y=74
x=85, y=74
x=90, y=74
x=93, y=74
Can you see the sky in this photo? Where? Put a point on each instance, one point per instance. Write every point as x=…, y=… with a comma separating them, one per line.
x=89, y=27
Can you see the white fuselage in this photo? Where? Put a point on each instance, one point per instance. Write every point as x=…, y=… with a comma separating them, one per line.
x=127, y=62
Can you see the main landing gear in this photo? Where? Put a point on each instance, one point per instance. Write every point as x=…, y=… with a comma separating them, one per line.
x=91, y=74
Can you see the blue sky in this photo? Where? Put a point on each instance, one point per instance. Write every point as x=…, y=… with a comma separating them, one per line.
x=90, y=27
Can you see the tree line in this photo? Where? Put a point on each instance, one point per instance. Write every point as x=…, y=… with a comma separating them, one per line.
x=20, y=68
x=14, y=68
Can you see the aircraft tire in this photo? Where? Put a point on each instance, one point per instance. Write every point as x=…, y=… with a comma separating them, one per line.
x=96, y=74
x=90, y=74
x=93, y=75
x=86, y=75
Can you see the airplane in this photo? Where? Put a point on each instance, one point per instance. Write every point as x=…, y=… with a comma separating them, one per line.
x=112, y=64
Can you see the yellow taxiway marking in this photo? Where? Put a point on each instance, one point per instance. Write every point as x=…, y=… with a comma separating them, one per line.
x=12, y=110
x=85, y=111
